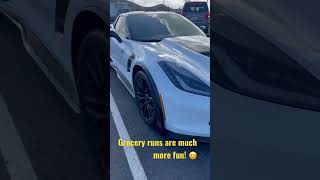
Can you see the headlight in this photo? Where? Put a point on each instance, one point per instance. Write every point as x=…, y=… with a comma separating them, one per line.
x=184, y=79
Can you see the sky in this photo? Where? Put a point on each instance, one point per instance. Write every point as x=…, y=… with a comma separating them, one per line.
x=171, y=3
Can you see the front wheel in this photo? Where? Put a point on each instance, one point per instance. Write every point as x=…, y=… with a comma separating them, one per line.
x=92, y=87
x=147, y=101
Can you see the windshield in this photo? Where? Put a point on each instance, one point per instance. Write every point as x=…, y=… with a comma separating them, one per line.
x=155, y=27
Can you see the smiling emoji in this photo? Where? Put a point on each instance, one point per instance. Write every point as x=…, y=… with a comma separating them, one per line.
x=193, y=155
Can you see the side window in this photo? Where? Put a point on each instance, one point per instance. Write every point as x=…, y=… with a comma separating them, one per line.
x=121, y=28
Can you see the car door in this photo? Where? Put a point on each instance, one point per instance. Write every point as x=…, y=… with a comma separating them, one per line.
x=40, y=17
x=121, y=51
x=267, y=90
x=114, y=44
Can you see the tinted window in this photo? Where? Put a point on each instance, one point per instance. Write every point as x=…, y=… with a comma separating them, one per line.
x=195, y=7
x=155, y=27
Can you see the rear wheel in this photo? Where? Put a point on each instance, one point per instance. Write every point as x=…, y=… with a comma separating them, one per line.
x=92, y=87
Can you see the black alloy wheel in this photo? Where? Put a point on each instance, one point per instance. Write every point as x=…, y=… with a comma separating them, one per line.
x=93, y=89
x=146, y=99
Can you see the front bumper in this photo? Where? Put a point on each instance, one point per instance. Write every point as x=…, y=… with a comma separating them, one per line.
x=183, y=137
x=186, y=113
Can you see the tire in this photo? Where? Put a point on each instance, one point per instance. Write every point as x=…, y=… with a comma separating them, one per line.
x=147, y=101
x=92, y=85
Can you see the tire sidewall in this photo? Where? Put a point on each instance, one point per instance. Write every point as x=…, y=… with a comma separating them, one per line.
x=154, y=95
x=92, y=40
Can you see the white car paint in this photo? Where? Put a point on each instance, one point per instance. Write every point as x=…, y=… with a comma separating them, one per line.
x=186, y=113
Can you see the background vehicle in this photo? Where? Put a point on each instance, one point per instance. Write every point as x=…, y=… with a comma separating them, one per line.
x=198, y=13
x=118, y=7
x=62, y=36
x=164, y=65
x=267, y=84
x=113, y=12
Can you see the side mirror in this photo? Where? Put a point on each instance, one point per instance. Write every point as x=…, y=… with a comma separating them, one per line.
x=116, y=36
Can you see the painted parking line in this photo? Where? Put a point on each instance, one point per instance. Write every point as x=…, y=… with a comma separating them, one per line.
x=13, y=151
x=136, y=168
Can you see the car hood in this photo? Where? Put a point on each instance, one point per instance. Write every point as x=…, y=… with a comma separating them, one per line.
x=189, y=52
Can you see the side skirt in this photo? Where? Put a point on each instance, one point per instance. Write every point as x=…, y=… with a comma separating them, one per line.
x=124, y=81
x=48, y=64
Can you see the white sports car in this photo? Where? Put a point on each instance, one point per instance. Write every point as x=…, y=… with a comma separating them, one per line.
x=164, y=62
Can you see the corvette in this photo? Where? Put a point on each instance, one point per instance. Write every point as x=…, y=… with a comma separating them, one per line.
x=163, y=60
x=67, y=40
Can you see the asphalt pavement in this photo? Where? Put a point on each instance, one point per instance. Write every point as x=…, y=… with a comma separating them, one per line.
x=50, y=139
x=187, y=169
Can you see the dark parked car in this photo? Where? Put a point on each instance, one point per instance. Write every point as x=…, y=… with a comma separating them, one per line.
x=68, y=41
x=198, y=13
x=267, y=89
